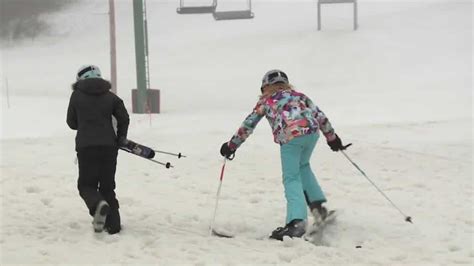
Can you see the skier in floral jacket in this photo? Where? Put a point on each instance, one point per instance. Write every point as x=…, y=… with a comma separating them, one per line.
x=296, y=123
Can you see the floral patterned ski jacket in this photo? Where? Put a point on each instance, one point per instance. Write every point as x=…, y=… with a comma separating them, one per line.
x=290, y=114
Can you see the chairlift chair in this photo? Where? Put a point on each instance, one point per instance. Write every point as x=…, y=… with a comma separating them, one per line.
x=354, y=2
x=236, y=14
x=196, y=9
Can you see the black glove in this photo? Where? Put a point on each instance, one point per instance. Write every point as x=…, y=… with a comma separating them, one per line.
x=226, y=151
x=336, y=144
x=122, y=141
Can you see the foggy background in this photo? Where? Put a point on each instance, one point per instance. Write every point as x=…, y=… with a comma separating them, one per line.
x=20, y=19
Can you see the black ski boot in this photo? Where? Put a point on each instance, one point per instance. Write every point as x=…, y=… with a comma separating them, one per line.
x=112, y=223
x=295, y=228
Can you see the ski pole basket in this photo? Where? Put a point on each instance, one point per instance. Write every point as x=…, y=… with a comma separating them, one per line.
x=238, y=14
x=196, y=9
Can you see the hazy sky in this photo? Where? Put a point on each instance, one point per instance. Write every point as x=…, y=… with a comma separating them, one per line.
x=23, y=18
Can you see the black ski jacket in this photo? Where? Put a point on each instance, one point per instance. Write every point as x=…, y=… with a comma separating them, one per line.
x=90, y=112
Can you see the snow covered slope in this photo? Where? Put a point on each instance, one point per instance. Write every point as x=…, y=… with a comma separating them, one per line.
x=399, y=89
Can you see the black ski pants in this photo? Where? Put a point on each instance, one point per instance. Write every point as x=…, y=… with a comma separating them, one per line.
x=96, y=181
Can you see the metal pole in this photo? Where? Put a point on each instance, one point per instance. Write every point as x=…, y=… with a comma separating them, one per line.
x=170, y=153
x=113, y=50
x=147, y=61
x=407, y=218
x=140, y=55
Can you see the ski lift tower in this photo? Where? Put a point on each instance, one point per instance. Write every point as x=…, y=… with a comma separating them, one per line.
x=144, y=99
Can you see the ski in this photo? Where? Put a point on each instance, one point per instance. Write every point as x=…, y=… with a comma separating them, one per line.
x=214, y=232
x=312, y=235
x=138, y=149
x=315, y=232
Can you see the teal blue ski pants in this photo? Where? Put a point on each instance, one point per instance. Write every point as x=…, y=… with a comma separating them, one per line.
x=301, y=186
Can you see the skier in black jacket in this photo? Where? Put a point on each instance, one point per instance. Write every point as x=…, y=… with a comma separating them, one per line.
x=91, y=110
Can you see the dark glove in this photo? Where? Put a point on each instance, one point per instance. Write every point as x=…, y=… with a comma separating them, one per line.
x=336, y=144
x=226, y=151
x=122, y=141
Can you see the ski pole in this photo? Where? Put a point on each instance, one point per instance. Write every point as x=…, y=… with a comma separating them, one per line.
x=407, y=218
x=167, y=164
x=211, y=227
x=170, y=153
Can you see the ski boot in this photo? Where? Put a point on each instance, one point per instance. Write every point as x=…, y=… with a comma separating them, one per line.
x=100, y=215
x=112, y=223
x=319, y=213
x=295, y=228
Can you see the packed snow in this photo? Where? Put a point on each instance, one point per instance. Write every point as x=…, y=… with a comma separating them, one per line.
x=399, y=89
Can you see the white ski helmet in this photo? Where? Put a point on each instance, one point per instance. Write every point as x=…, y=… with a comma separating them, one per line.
x=88, y=71
x=274, y=76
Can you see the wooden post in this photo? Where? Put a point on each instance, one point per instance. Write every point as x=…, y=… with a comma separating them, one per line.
x=8, y=92
x=355, y=15
x=113, y=49
x=319, y=15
